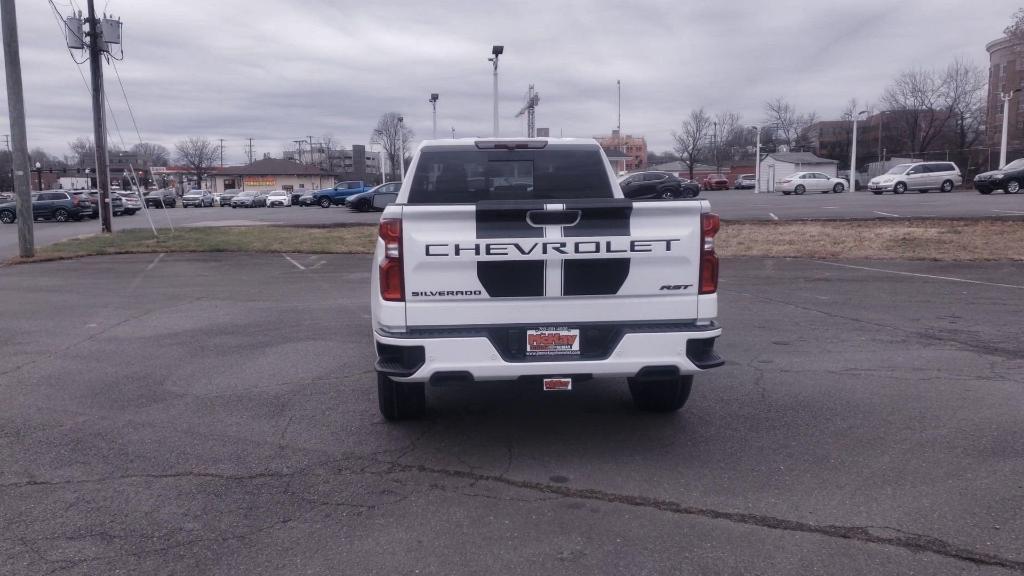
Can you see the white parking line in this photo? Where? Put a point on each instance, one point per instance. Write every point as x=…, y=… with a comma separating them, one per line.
x=886, y=214
x=154, y=262
x=297, y=265
x=1010, y=212
x=774, y=217
x=152, y=265
x=950, y=278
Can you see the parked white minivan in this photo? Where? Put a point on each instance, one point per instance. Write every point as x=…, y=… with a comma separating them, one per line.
x=920, y=176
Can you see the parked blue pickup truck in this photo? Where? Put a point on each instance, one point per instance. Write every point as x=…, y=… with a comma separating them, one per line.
x=335, y=195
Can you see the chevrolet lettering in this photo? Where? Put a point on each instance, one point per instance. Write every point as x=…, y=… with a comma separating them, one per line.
x=552, y=248
x=521, y=260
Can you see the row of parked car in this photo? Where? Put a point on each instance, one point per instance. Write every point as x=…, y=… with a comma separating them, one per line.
x=354, y=195
x=67, y=205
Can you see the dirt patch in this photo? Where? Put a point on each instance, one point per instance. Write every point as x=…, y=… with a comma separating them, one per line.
x=291, y=239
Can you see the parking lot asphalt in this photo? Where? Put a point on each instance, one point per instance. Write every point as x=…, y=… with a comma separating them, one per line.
x=729, y=204
x=745, y=205
x=216, y=414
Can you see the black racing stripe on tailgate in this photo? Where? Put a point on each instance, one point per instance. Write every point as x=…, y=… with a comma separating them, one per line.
x=506, y=220
x=600, y=218
x=518, y=278
x=514, y=278
x=600, y=276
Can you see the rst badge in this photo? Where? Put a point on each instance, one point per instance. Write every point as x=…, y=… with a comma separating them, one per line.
x=553, y=341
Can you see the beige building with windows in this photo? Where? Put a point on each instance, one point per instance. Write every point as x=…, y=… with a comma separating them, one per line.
x=271, y=174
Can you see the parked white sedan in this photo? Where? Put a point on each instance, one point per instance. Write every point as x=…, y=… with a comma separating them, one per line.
x=810, y=182
x=279, y=198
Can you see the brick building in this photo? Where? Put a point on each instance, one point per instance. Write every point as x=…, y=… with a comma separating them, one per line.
x=635, y=147
x=1006, y=73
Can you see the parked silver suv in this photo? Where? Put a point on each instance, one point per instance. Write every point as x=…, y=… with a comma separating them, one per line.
x=920, y=176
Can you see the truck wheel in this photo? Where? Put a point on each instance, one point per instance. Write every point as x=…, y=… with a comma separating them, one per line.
x=660, y=395
x=325, y=202
x=400, y=400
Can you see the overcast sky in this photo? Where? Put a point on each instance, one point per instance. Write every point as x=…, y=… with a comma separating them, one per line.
x=281, y=70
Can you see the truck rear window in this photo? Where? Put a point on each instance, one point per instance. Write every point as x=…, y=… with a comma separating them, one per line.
x=469, y=176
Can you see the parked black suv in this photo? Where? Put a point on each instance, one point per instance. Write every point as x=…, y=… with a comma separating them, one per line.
x=641, y=185
x=1009, y=179
x=51, y=205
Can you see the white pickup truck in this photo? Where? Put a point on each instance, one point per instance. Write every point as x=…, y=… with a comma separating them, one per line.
x=521, y=260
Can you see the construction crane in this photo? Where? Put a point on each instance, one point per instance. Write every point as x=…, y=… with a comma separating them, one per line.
x=530, y=109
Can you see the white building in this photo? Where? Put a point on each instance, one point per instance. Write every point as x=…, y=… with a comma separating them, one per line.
x=778, y=165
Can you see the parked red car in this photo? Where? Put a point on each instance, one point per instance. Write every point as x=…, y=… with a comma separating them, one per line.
x=715, y=182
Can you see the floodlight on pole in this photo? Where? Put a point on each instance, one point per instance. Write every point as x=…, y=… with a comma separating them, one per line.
x=496, y=51
x=853, y=153
x=433, y=102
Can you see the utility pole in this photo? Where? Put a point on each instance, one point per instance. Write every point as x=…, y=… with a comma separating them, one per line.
x=853, y=152
x=16, y=109
x=714, y=143
x=98, y=45
x=221, y=152
x=496, y=51
x=453, y=132
x=1006, y=116
x=757, y=161
x=433, y=101
x=401, y=149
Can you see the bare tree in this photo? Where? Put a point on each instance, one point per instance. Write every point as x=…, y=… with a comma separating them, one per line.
x=788, y=127
x=393, y=137
x=964, y=86
x=83, y=150
x=199, y=154
x=150, y=154
x=691, y=140
x=1016, y=28
x=919, y=105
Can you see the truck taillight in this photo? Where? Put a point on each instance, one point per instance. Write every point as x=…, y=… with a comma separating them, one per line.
x=392, y=282
x=709, y=225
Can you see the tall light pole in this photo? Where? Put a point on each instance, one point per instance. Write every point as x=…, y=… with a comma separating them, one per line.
x=496, y=51
x=39, y=177
x=853, y=152
x=714, y=144
x=401, y=148
x=453, y=132
x=433, y=102
x=757, y=160
x=1006, y=120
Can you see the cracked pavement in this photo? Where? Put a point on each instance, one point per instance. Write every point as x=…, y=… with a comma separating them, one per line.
x=216, y=414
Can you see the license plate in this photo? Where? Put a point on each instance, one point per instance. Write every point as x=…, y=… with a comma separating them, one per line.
x=553, y=341
x=557, y=384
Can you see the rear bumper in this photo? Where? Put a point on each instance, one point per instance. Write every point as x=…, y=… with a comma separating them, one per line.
x=633, y=351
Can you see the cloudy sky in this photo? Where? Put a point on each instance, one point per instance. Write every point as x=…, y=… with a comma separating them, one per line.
x=281, y=70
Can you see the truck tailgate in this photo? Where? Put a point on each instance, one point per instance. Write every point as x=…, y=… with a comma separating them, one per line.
x=531, y=262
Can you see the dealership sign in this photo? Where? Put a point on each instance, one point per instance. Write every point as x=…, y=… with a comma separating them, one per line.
x=259, y=181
